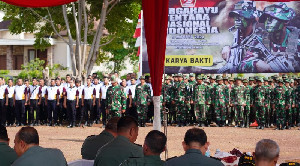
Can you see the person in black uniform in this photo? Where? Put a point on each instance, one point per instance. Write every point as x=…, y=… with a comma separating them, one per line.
x=27, y=106
x=9, y=93
x=71, y=102
x=33, y=102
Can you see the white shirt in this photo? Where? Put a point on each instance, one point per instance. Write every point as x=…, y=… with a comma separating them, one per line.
x=42, y=91
x=132, y=90
x=34, y=91
x=128, y=82
x=88, y=92
x=61, y=89
x=103, y=90
x=150, y=85
x=51, y=92
x=10, y=91
x=20, y=92
x=71, y=93
x=2, y=91
x=97, y=91
x=80, y=88
x=66, y=85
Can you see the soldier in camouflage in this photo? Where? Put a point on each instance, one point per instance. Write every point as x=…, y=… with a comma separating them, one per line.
x=290, y=97
x=247, y=101
x=142, y=100
x=238, y=101
x=268, y=101
x=192, y=83
x=167, y=92
x=182, y=99
x=280, y=93
x=258, y=102
x=219, y=101
x=199, y=101
x=244, y=15
x=282, y=40
x=115, y=99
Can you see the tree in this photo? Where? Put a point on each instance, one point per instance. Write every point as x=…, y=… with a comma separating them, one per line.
x=84, y=21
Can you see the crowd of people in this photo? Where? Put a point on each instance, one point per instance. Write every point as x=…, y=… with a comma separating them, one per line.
x=186, y=100
x=115, y=146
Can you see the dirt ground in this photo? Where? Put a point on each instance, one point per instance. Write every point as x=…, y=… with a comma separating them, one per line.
x=225, y=139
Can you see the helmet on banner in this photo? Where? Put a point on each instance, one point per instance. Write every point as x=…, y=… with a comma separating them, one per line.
x=245, y=9
x=279, y=11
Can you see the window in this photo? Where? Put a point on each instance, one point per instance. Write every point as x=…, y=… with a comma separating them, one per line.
x=31, y=55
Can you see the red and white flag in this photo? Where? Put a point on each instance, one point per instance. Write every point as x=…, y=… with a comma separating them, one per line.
x=138, y=34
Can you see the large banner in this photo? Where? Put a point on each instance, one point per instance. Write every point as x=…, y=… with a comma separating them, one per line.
x=231, y=36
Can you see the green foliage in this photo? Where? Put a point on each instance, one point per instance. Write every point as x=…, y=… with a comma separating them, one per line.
x=4, y=74
x=33, y=69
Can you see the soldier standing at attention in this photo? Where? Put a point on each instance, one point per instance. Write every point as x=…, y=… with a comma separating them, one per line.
x=238, y=101
x=20, y=97
x=115, y=99
x=41, y=103
x=289, y=104
x=199, y=101
x=280, y=100
x=51, y=100
x=142, y=100
x=192, y=83
x=267, y=101
x=182, y=99
x=219, y=101
x=9, y=97
x=168, y=93
x=258, y=96
x=247, y=101
x=71, y=102
x=33, y=102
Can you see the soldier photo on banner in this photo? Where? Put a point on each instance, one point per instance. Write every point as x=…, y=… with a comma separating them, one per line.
x=242, y=36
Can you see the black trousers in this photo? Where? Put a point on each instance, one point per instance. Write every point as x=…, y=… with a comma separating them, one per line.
x=52, y=109
x=60, y=110
x=43, y=111
x=97, y=110
x=20, y=111
x=2, y=112
x=150, y=112
x=103, y=111
x=34, y=107
x=71, y=108
x=10, y=112
x=80, y=110
x=88, y=107
x=132, y=111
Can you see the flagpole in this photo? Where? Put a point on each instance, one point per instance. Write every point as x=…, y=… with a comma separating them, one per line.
x=141, y=48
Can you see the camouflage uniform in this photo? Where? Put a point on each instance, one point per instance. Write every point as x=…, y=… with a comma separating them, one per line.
x=115, y=100
x=168, y=92
x=247, y=101
x=219, y=103
x=267, y=101
x=142, y=98
x=200, y=100
x=182, y=99
x=289, y=103
x=238, y=99
x=244, y=14
x=280, y=102
x=297, y=105
x=258, y=101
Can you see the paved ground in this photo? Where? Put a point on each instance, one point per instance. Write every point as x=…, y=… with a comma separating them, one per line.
x=225, y=139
